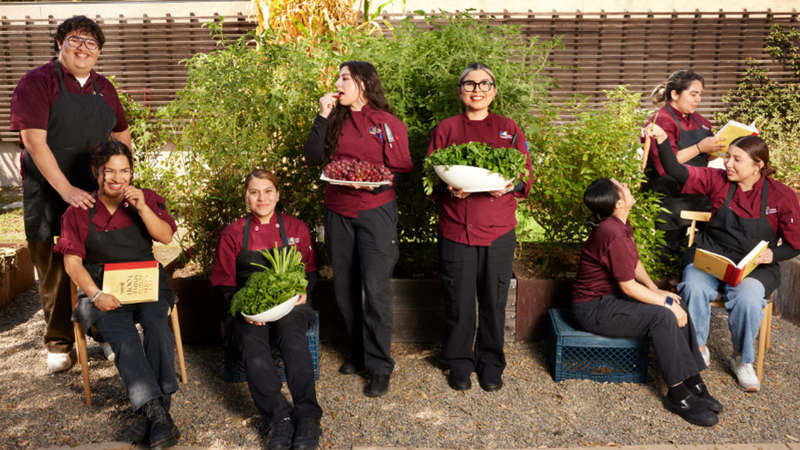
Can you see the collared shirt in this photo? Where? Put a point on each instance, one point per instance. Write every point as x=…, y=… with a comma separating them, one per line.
x=480, y=218
x=608, y=257
x=39, y=89
x=363, y=138
x=75, y=222
x=262, y=236
x=783, y=209
x=667, y=123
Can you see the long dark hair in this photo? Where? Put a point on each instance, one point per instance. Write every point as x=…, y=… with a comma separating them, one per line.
x=363, y=73
x=101, y=153
x=601, y=198
x=756, y=148
x=678, y=81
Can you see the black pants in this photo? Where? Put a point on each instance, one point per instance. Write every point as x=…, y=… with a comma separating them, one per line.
x=289, y=334
x=617, y=316
x=466, y=271
x=363, y=253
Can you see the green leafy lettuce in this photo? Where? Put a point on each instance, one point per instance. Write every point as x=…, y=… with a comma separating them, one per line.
x=274, y=285
x=508, y=162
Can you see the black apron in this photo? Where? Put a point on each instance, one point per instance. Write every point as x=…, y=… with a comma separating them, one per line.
x=132, y=243
x=76, y=123
x=734, y=237
x=674, y=201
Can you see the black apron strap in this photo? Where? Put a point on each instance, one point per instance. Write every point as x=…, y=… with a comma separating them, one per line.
x=731, y=191
x=282, y=229
x=674, y=117
x=57, y=66
x=764, y=199
x=246, y=234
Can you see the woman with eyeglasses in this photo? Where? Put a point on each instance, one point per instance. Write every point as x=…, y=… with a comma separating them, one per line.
x=356, y=123
x=477, y=240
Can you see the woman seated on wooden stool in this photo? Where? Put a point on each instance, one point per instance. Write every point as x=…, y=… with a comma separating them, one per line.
x=748, y=206
x=613, y=296
x=121, y=227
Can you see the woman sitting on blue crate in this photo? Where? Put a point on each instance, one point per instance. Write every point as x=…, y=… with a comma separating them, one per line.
x=613, y=296
x=238, y=247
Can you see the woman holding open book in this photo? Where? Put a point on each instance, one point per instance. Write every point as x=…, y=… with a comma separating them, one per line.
x=614, y=296
x=692, y=142
x=748, y=206
x=121, y=228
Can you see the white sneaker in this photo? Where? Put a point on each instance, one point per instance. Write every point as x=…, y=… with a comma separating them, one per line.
x=59, y=362
x=706, y=356
x=745, y=374
x=107, y=351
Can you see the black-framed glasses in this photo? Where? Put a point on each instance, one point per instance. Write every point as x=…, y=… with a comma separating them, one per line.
x=471, y=86
x=89, y=43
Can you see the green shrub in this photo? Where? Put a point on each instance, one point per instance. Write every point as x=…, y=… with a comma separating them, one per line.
x=599, y=143
x=774, y=106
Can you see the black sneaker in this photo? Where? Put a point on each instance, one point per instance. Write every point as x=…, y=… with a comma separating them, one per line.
x=306, y=435
x=377, y=385
x=489, y=385
x=701, y=391
x=459, y=383
x=350, y=368
x=162, y=430
x=281, y=437
x=693, y=410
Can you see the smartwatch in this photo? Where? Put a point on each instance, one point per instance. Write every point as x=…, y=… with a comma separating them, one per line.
x=668, y=302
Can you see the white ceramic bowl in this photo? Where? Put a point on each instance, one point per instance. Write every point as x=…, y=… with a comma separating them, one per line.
x=471, y=179
x=275, y=313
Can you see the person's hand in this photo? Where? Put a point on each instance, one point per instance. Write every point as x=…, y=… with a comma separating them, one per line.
x=655, y=131
x=302, y=299
x=77, y=197
x=675, y=297
x=326, y=103
x=253, y=322
x=710, y=145
x=457, y=193
x=358, y=186
x=680, y=314
x=503, y=191
x=106, y=302
x=134, y=196
x=766, y=257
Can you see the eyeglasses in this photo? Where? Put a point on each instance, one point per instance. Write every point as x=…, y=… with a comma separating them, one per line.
x=89, y=43
x=471, y=86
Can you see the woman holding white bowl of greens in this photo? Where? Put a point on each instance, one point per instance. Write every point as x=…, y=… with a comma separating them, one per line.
x=477, y=239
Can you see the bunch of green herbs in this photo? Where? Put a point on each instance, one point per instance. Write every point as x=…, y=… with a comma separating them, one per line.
x=508, y=162
x=273, y=285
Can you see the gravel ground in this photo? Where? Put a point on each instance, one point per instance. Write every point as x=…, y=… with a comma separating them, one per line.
x=41, y=410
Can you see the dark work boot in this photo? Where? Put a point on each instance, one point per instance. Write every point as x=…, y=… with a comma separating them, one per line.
x=163, y=432
x=377, y=385
x=282, y=433
x=701, y=391
x=136, y=432
x=306, y=435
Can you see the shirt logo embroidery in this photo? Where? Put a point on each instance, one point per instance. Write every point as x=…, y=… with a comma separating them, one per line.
x=293, y=240
x=374, y=130
x=505, y=135
x=772, y=210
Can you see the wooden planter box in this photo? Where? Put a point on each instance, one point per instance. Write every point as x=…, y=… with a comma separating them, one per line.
x=534, y=298
x=787, y=297
x=16, y=271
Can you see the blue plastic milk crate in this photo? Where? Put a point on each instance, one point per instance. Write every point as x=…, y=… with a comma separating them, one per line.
x=312, y=335
x=583, y=355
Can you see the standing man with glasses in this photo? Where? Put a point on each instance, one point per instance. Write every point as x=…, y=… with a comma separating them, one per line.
x=62, y=109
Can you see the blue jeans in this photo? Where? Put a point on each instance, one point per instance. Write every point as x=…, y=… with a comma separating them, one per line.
x=745, y=304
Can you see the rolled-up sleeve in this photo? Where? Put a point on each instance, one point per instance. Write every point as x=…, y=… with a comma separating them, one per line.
x=74, y=228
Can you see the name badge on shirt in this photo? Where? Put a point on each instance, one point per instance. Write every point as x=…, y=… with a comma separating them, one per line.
x=505, y=135
x=772, y=210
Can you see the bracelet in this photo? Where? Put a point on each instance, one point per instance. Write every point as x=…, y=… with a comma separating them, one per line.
x=698, y=149
x=96, y=294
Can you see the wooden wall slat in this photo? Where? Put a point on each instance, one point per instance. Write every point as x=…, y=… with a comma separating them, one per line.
x=601, y=50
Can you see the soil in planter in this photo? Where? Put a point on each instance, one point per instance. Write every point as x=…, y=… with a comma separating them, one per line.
x=546, y=260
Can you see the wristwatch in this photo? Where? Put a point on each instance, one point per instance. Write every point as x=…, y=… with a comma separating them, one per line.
x=668, y=302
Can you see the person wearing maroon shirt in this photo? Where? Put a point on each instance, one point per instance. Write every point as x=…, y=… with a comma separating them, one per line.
x=121, y=227
x=237, y=249
x=61, y=109
x=477, y=240
x=614, y=296
x=692, y=142
x=355, y=123
x=748, y=206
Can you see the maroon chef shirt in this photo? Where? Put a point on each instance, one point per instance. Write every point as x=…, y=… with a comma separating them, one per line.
x=262, y=236
x=75, y=222
x=783, y=209
x=608, y=257
x=666, y=122
x=38, y=90
x=480, y=218
x=360, y=140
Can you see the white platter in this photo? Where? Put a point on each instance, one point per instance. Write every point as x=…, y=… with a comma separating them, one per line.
x=275, y=313
x=471, y=179
x=353, y=183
